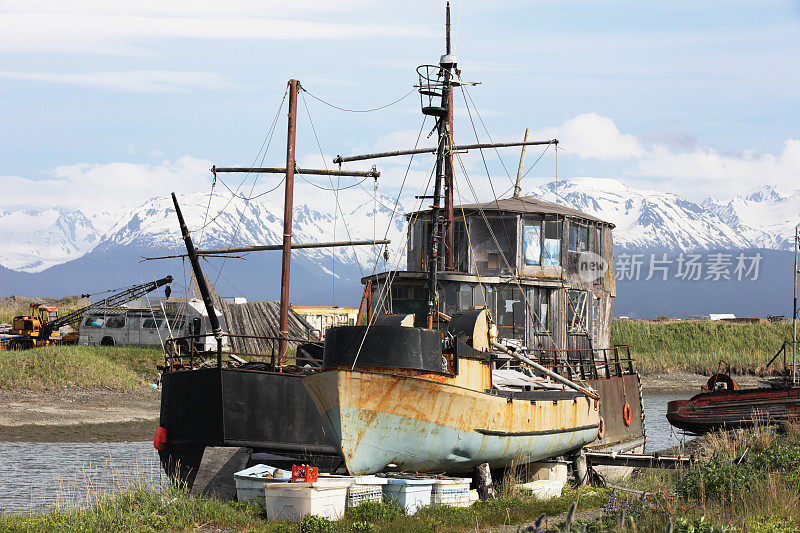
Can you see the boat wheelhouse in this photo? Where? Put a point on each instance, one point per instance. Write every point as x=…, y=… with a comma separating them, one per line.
x=542, y=269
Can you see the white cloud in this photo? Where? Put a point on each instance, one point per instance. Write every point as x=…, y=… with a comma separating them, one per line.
x=590, y=135
x=105, y=189
x=709, y=169
x=123, y=31
x=169, y=81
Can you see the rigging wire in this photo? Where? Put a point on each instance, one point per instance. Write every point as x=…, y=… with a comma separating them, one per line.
x=333, y=189
x=259, y=195
x=315, y=97
x=502, y=255
x=267, y=141
x=477, y=112
x=485, y=165
x=336, y=194
x=527, y=171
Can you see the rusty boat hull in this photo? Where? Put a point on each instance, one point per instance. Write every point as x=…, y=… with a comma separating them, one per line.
x=418, y=424
x=729, y=409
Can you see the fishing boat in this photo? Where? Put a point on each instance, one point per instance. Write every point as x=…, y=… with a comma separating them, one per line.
x=724, y=405
x=486, y=353
x=475, y=356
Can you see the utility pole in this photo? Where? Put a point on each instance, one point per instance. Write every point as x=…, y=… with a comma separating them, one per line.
x=287, y=222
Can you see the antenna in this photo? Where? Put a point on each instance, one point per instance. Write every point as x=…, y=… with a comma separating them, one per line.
x=517, y=188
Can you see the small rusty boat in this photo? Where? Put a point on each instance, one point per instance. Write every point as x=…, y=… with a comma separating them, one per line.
x=724, y=405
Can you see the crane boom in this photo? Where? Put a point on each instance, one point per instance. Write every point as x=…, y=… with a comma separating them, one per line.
x=115, y=300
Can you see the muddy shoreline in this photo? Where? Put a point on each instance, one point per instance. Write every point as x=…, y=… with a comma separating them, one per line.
x=105, y=416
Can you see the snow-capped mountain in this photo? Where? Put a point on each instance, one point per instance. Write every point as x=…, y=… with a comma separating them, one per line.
x=33, y=240
x=765, y=217
x=646, y=219
x=222, y=223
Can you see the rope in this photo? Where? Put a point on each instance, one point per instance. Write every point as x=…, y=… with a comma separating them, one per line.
x=259, y=195
x=312, y=95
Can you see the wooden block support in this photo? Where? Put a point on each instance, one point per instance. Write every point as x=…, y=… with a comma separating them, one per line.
x=215, y=475
x=483, y=482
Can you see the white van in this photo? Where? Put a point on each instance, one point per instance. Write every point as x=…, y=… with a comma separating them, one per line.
x=148, y=326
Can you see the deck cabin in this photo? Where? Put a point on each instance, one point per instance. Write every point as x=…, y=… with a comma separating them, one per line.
x=544, y=271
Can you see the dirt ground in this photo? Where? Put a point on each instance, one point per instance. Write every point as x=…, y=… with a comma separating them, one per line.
x=680, y=382
x=78, y=416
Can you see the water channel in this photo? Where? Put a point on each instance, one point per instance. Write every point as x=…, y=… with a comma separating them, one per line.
x=40, y=475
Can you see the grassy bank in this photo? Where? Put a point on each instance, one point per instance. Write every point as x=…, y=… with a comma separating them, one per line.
x=122, y=369
x=749, y=481
x=698, y=346
x=173, y=509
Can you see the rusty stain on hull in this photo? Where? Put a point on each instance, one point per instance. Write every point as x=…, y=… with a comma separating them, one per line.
x=425, y=425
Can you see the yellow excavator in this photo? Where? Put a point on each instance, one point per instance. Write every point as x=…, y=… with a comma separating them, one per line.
x=42, y=327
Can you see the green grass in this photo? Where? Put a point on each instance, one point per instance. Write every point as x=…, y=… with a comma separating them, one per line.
x=748, y=481
x=172, y=509
x=122, y=369
x=698, y=346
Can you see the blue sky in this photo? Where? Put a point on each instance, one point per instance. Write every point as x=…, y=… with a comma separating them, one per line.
x=106, y=103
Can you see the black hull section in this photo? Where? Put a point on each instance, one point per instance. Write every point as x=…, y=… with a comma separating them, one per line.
x=614, y=393
x=268, y=412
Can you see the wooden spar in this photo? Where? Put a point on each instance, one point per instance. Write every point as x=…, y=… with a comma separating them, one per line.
x=460, y=148
x=308, y=171
x=191, y=251
x=449, y=228
x=546, y=371
x=218, y=252
x=364, y=302
x=287, y=222
x=517, y=187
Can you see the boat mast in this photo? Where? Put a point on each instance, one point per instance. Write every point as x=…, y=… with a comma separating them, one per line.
x=286, y=258
x=449, y=228
x=794, y=307
x=434, y=84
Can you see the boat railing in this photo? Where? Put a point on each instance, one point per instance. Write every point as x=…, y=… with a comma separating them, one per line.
x=182, y=353
x=585, y=363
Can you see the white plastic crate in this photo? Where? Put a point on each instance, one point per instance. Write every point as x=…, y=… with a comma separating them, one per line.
x=357, y=494
x=453, y=492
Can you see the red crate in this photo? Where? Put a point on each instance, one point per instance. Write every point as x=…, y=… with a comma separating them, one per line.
x=304, y=474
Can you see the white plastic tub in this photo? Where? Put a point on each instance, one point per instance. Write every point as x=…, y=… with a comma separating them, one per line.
x=454, y=492
x=409, y=494
x=250, y=481
x=292, y=501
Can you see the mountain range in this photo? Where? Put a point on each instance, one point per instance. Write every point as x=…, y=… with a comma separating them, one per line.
x=54, y=251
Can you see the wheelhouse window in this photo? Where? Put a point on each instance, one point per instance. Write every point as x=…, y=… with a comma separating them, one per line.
x=578, y=237
x=552, y=243
x=532, y=242
x=539, y=306
x=577, y=311
x=494, y=245
x=510, y=313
